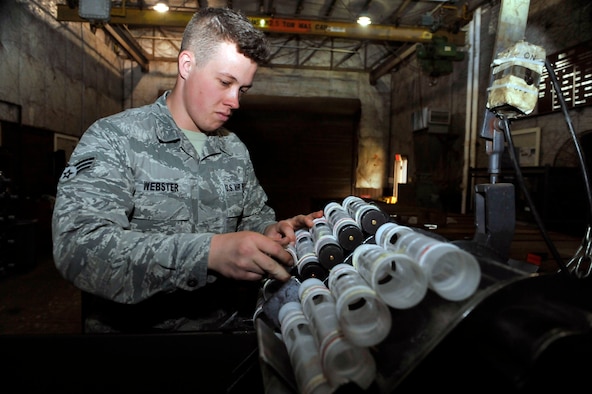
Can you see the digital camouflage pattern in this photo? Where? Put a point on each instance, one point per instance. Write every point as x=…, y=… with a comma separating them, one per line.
x=136, y=207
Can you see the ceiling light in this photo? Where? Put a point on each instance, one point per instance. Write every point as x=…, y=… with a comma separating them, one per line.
x=364, y=20
x=161, y=6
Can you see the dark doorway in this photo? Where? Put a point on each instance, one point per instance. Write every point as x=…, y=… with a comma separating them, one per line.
x=304, y=149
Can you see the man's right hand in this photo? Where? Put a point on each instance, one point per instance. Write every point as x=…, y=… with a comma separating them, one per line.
x=247, y=255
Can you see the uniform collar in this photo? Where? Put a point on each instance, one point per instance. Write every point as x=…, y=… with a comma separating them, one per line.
x=166, y=130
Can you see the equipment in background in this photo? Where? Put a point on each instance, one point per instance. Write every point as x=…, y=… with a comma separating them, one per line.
x=516, y=76
x=436, y=58
x=17, y=235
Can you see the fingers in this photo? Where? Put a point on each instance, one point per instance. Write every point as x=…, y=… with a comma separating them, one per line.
x=284, y=230
x=248, y=256
x=302, y=221
x=283, y=233
x=276, y=253
x=288, y=227
x=274, y=259
x=314, y=215
x=271, y=266
x=278, y=272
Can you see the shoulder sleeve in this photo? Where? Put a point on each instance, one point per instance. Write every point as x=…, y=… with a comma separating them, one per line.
x=93, y=244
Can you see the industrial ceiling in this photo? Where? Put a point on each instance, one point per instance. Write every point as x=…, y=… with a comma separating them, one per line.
x=314, y=34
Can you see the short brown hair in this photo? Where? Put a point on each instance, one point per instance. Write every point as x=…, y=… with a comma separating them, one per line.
x=210, y=26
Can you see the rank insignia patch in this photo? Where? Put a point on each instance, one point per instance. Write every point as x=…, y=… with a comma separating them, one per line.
x=71, y=170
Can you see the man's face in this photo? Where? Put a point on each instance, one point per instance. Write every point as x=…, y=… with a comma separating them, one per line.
x=213, y=91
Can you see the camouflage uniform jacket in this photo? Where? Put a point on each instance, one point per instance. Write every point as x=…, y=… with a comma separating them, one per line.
x=136, y=206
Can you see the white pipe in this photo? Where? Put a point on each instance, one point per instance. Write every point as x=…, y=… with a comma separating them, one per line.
x=471, y=105
x=466, y=144
x=475, y=104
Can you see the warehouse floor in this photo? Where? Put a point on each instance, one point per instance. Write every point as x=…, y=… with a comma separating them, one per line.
x=39, y=301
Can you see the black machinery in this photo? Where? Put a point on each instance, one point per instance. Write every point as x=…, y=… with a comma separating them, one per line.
x=519, y=332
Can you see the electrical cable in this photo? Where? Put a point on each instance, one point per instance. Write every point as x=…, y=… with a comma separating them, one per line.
x=580, y=264
x=534, y=211
x=581, y=261
x=572, y=132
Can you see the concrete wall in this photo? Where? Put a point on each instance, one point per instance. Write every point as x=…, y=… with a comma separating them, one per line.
x=63, y=76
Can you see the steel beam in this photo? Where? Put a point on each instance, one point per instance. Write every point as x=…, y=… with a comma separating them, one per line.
x=348, y=30
x=128, y=43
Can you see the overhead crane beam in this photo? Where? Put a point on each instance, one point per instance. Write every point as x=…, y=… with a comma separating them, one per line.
x=351, y=30
x=347, y=30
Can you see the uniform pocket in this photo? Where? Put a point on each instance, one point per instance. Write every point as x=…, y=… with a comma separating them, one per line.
x=222, y=216
x=162, y=207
